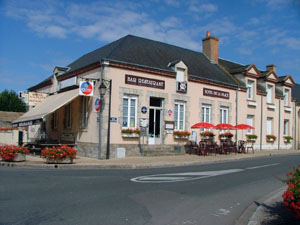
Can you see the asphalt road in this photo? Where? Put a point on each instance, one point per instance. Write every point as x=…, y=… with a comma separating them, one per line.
x=206, y=194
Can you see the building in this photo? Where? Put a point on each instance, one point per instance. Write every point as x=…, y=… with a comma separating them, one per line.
x=164, y=88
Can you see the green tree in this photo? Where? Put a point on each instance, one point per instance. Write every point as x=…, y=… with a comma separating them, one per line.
x=10, y=102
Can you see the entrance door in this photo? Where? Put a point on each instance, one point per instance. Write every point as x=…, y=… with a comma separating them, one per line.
x=155, y=116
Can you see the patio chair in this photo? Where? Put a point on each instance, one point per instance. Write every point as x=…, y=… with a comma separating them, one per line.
x=202, y=148
x=241, y=146
x=250, y=146
x=211, y=147
x=194, y=148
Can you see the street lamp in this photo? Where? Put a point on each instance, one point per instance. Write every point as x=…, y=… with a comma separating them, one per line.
x=102, y=90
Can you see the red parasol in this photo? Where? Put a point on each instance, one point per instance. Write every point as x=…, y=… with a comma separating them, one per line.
x=225, y=126
x=203, y=125
x=243, y=127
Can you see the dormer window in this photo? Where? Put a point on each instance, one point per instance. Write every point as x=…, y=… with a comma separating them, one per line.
x=180, y=75
x=286, y=97
x=269, y=93
x=250, y=89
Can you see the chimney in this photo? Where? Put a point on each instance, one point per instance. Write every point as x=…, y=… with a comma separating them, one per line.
x=271, y=67
x=210, y=47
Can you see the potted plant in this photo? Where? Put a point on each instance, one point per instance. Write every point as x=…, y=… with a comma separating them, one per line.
x=251, y=137
x=288, y=139
x=181, y=134
x=61, y=154
x=130, y=132
x=226, y=135
x=12, y=153
x=207, y=135
x=270, y=138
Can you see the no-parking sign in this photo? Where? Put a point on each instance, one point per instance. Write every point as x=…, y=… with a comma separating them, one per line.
x=86, y=88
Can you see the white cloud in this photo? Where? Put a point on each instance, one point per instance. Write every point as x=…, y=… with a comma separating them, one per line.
x=200, y=7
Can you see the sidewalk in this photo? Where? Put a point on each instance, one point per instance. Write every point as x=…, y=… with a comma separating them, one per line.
x=142, y=162
x=272, y=212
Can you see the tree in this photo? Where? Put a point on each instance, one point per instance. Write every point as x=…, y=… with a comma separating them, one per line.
x=10, y=102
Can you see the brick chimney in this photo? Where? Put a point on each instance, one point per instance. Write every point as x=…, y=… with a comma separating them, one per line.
x=271, y=67
x=210, y=47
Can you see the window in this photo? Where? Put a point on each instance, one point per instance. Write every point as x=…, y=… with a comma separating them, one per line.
x=286, y=97
x=206, y=113
x=54, y=120
x=129, y=111
x=223, y=115
x=84, y=111
x=269, y=93
x=269, y=125
x=180, y=75
x=68, y=116
x=250, y=119
x=250, y=89
x=179, y=114
x=286, y=127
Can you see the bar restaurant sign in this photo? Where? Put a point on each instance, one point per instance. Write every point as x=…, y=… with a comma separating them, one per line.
x=144, y=81
x=215, y=93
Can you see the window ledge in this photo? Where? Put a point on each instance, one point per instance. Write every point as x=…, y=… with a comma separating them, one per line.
x=271, y=106
x=252, y=103
x=287, y=109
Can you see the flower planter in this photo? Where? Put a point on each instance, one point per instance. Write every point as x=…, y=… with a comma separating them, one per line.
x=68, y=160
x=251, y=140
x=130, y=135
x=270, y=140
x=181, y=137
x=18, y=158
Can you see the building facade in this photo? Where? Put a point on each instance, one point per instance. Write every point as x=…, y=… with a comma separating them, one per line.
x=155, y=93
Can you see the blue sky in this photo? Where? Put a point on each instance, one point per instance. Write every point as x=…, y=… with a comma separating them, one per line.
x=37, y=35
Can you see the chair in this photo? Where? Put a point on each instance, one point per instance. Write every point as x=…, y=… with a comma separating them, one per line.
x=241, y=146
x=211, y=146
x=194, y=148
x=202, y=148
x=231, y=146
x=250, y=146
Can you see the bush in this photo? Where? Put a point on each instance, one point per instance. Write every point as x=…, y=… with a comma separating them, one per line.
x=291, y=197
x=271, y=137
x=207, y=134
x=251, y=136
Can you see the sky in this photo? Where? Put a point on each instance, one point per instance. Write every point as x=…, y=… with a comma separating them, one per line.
x=37, y=35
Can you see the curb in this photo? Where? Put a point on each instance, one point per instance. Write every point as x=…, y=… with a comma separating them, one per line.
x=255, y=210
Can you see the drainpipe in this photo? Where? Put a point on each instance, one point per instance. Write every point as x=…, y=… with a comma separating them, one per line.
x=236, y=113
x=279, y=125
x=261, y=121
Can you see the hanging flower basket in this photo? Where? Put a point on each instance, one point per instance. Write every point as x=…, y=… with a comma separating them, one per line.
x=270, y=138
x=251, y=137
x=62, y=154
x=12, y=153
x=226, y=135
x=130, y=132
x=288, y=139
x=207, y=135
x=178, y=134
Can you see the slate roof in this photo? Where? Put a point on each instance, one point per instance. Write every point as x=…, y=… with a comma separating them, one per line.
x=148, y=53
x=232, y=67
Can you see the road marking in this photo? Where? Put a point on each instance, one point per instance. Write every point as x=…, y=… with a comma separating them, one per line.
x=176, y=177
x=258, y=167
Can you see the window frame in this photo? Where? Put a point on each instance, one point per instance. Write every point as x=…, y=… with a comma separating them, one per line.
x=84, y=111
x=250, y=89
x=286, y=94
x=270, y=93
x=222, y=110
x=177, y=114
x=250, y=118
x=68, y=115
x=129, y=98
x=286, y=126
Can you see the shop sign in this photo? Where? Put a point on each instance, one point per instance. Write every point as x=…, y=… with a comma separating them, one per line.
x=86, y=88
x=35, y=97
x=181, y=87
x=215, y=93
x=144, y=81
x=68, y=83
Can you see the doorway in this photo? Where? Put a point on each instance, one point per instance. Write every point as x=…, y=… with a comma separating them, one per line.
x=155, y=121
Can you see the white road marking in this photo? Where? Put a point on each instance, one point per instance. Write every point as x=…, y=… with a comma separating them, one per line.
x=258, y=167
x=177, y=177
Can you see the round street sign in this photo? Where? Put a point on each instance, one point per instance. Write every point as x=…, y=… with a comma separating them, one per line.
x=86, y=88
x=144, y=110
